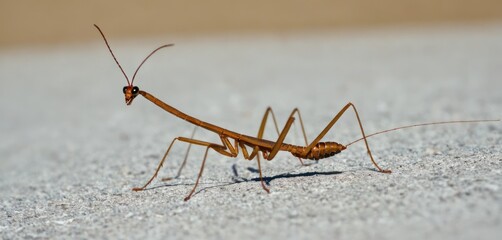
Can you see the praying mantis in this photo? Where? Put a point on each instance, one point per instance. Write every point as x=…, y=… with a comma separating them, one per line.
x=315, y=150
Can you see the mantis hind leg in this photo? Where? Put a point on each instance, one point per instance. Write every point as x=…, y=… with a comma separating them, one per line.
x=333, y=121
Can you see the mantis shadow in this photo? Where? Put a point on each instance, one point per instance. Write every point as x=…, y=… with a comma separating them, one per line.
x=267, y=180
x=237, y=179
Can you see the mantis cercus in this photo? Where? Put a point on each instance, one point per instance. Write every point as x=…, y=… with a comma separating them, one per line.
x=314, y=150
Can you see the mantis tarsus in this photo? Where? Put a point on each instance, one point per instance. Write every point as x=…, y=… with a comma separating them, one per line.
x=314, y=150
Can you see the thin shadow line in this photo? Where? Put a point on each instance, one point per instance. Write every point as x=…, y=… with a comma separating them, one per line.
x=294, y=175
x=269, y=179
x=244, y=180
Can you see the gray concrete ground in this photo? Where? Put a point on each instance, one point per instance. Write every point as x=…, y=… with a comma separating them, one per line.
x=71, y=150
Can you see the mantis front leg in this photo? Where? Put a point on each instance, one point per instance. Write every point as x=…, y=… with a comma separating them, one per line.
x=226, y=149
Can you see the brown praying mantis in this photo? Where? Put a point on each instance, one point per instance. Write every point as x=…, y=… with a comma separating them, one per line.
x=314, y=150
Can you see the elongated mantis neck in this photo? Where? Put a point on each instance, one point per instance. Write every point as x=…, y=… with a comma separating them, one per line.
x=186, y=117
x=167, y=107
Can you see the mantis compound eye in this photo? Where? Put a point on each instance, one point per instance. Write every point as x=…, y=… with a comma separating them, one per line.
x=135, y=90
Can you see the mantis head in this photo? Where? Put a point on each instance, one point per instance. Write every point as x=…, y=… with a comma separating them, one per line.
x=130, y=91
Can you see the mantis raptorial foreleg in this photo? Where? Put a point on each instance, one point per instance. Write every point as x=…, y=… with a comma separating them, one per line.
x=222, y=149
x=180, y=169
x=233, y=151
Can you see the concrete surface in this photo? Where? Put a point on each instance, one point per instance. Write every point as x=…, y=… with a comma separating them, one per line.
x=71, y=150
